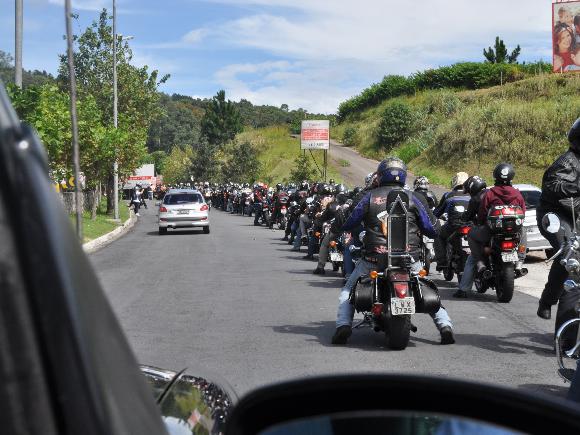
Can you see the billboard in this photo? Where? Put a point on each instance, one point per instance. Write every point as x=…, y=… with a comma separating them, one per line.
x=566, y=36
x=315, y=135
x=145, y=176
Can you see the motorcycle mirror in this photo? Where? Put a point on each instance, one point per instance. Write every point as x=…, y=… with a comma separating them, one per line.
x=551, y=223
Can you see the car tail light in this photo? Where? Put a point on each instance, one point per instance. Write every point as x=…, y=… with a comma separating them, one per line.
x=377, y=309
x=464, y=230
x=204, y=207
x=401, y=288
x=162, y=209
x=507, y=245
x=333, y=244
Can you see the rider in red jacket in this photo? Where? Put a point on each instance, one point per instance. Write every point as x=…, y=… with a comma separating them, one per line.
x=503, y=193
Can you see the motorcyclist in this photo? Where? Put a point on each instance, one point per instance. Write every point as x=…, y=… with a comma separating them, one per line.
x=259, y=194
x=560, y=183
x=502, y=193
x=391, y=174
x=452, y=204
x=320, y=204
x=476, y=186
x=280, y=198
x=421, y=185
x=328, y=215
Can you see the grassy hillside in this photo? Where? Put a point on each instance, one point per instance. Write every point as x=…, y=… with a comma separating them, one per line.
x=277, y=151
x=524, y=123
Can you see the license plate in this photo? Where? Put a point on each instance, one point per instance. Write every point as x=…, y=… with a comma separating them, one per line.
x=183, y=212
x=464, y=243
x=508, y=257
x=402, y=306
x=335, y=256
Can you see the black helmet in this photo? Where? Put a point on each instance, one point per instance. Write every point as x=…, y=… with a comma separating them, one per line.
x=279, y=187
x=574, y=135
x=340, y=188
x=327, y=189
x=341, y=198
x=503, y=174
x=475, y=184
x=331, y=181
x=356, y=190
x=304, y=185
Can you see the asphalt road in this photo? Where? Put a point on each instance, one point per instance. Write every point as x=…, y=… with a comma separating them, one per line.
x=237, y=305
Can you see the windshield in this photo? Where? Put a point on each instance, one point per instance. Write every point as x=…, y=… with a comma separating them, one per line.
x=182, y=198
x=206, y=101
x=532, y=198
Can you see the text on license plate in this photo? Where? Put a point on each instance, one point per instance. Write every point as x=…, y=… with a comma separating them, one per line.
x=335, y=256
x=402, y=306
x=509, y=256
x=183, y=212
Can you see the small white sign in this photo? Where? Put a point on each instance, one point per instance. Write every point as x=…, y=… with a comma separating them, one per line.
x=315, y=135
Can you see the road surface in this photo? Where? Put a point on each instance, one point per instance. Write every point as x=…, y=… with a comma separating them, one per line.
x=239, y=306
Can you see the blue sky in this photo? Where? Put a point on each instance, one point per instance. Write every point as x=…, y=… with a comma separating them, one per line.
x=305, y=53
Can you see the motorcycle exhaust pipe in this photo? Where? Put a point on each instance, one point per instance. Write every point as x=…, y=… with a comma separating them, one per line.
x=522, y=272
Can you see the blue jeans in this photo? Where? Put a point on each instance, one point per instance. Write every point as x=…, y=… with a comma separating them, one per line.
x=345, y=312
x=312, y=241
x=348, y=265
x=298, y=239
x=468, y=276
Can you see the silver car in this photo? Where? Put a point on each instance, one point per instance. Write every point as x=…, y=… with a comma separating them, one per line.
x=183, y=208
x=531, y=194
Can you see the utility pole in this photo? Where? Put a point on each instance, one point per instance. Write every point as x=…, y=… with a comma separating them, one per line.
x=73, y=118
x=18, y=44
x=115, y=102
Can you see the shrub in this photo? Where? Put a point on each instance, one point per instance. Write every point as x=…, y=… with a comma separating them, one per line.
x=349, y=137
x=396, y=124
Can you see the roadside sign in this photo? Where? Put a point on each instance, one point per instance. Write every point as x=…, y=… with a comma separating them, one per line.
x=315, y=135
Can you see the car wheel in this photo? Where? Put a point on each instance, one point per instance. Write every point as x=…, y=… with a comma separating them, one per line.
x=162, y=231
x=206, y=230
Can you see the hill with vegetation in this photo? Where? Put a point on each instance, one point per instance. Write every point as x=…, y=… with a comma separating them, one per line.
x=441, y=131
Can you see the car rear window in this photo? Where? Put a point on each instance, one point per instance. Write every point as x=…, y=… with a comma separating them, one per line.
x=532, y=198
x=182, y=198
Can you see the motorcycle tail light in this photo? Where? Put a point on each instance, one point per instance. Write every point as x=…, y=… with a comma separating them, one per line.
x=401, y=288
x=464, y=230
x=204, y=207
x=317, y=234
x=377, y=309
x=509, y=210
x=162, y=209
x=333, y=244
x=508, y=245
x=496, y=212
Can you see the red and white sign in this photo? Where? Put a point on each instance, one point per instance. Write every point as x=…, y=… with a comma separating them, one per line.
x=315, y=135
x=145, y=176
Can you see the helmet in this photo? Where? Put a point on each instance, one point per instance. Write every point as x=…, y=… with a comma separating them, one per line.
x=319, y=188
x=327, y=189
x=331, y=181
x=340, y=188
x=421, y=183
x=458, y=179
x=369, y=178
x=341, y=198
x=392, y=170
x=279, y=187
x=304, y=185
x=504, y=173
x=356, y=190
x=574, y=135
x=475, y=185
x=291, y=186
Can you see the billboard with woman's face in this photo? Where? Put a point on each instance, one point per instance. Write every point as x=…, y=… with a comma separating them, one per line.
x=566, y=36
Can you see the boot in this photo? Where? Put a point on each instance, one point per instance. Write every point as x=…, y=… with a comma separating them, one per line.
x=342, y=334
x=544, y=311
x=319, y=271
x=462, y=294
x=447, y=335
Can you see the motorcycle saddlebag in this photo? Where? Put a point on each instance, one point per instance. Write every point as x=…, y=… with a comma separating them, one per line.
x=427, y=298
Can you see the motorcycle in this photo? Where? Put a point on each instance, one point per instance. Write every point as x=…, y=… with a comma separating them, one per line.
x=266, y=215
x=427, y=253
x=505, y=222
x=390, y=295
x=248, y=204
x=568, y=332
x=335, y=253
x=457, y=253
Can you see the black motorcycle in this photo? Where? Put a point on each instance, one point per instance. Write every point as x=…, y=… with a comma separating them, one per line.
x=457, y=253
x=390, y=295
x=505, y=222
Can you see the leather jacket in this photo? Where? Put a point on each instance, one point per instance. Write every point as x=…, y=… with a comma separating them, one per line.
x=560, y=181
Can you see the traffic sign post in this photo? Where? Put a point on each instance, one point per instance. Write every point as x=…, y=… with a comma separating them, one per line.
x=315, y=135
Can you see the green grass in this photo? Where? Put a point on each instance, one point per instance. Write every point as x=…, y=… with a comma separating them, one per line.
x=344, y=163
x=277, y=151
x=524, y=123
x=103, y=224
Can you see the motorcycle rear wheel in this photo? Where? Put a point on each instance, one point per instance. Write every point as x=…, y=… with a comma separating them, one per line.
x=398, y=332
x=504, y=287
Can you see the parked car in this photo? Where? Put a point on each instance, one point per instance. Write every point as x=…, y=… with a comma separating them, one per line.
x=536, y=242
x=183, y=208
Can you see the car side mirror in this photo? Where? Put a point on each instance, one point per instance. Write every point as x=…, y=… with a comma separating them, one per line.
x=551, y=223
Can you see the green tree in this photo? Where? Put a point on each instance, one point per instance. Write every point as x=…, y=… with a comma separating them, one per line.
x=29, y=78
x=395, y=125
x=302, y=170
x=221, y=121
x=208, y=161
x=176, y=167
x=243, y=164
x=499, y=53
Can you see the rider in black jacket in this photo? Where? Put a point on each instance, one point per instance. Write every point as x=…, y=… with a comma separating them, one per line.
x=421, y=185
x=560, y=182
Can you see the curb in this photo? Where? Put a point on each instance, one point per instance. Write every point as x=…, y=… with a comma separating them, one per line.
x=106, y=239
